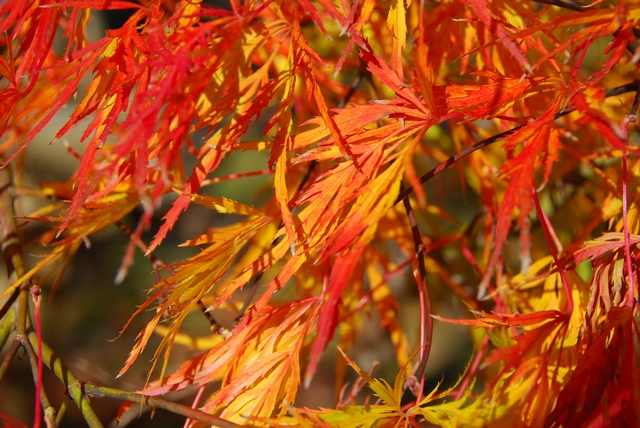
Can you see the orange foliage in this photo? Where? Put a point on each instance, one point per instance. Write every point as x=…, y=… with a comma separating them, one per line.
x=527, y=99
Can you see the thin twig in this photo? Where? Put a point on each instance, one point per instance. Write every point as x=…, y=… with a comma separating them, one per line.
x=179, y=409
x=426, y=322
x=63, y=408
x=7, y=305
x=43, y=400
x=634, y=108
x=624, y=89
x=629, y=87
x=566, y=4
x=69, y=380
x=6, y=325
x=11, y=353
x=37, y=298
x=455, y=158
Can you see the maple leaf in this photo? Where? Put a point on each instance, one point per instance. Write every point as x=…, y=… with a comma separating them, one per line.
x=390, y=409
x=196, y=277
x=605, y=379
x=259, y=364
x=94, y=216
x=521, y=169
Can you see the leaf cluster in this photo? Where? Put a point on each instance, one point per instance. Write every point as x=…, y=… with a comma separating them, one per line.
x=356, y=106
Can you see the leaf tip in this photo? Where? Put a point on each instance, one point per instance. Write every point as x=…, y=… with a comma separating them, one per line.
x=482, y=291
x=307, y=381
x=120, y=276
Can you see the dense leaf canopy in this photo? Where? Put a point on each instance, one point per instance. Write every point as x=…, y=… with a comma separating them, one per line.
x=356, y=106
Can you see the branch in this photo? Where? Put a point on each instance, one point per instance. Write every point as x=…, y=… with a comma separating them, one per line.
x=68, y=379
x=11, y=353
x=79, y=391
x=102, y=391
x=629, y=87
x=624, y=89
x=426, y=322
x=566, y=4
x=41, y=395
x=12, y=254
x=7, y=318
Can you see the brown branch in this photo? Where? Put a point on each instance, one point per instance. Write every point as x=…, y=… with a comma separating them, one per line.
x=629, y=87
x=566, y=4
x=455, y=158
x=11, y=353
x=634, y=107
x=623, y=89
x=12, y=250
x=179, y=409
x=426, y=322
x=12, y=253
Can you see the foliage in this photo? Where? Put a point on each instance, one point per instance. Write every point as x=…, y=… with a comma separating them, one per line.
x=532, y=104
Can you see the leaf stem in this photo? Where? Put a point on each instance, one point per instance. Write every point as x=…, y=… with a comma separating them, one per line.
x=472, y=369
x=37, y=297
x=546, y=225
x=196, y=400
x=35, y=361
x=631, y=286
